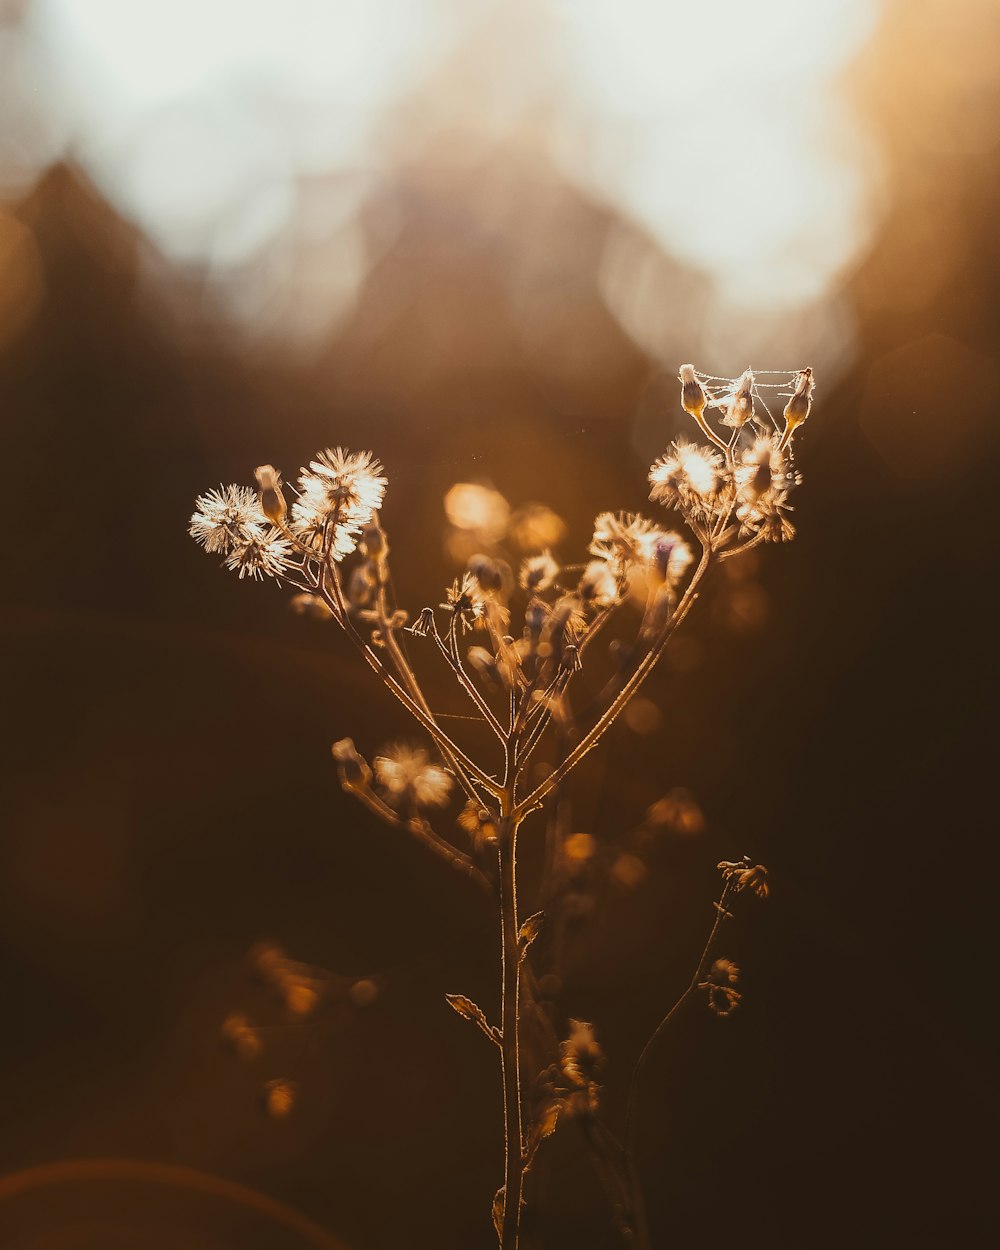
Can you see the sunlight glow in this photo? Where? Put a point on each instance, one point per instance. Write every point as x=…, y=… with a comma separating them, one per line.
x=718, y=127
x=717, y=130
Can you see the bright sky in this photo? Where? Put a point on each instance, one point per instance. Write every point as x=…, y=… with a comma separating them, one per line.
x=716, y=125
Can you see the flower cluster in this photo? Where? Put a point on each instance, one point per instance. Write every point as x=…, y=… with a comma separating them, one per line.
x=743, y=874
x=533, y=617
x=740, y=484
x=231, y=523
x=403, y=777
x=338, y=495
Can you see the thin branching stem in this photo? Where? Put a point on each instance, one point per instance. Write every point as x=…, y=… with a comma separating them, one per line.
x=454, y=659
x=510, y=1029
x=642, y=671
x=721, y=915
x=419, y=714
x=747, y=546
x=549, y=700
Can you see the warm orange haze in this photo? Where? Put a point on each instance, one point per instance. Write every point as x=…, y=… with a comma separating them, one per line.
x=568, y=826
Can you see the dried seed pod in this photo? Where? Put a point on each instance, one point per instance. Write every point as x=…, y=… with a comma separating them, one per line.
x=423, y=626
x=797, y=408
x=739, y=409
x=693, y=397
x=272, y=499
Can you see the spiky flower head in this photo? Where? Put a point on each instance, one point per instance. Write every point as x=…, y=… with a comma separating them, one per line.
x=671, y=557
x=226, y=518
x=688, y=477
x=260, y=556
x=598, y=586
x=538, y=572
x=230, y=522
x=338, y=496
x=465, y=600
x=624, y=539
x=408, y=775
x=764, y=479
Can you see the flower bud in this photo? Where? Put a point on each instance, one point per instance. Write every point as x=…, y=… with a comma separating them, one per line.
x=693, y=397
x=797, y=408
x=272, y=500
x=740, y=407
x=354, y=771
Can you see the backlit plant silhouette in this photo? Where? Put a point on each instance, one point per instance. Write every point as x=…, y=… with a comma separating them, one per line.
x=515, y=643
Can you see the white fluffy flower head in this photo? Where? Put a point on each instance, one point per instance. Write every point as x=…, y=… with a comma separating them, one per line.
x=226, y=518
x=341, y=489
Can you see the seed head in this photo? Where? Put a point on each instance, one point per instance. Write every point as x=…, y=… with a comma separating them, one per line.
x=538, y=572
x=227, y=518
x=464, y=599
x=408, y=775
x=598, y=586
x=693, y=397
x=423, y=626
x=338, y=495
x=739, y=405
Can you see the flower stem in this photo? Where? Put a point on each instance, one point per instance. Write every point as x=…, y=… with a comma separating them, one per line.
x=720, y=916
x=510, y=1059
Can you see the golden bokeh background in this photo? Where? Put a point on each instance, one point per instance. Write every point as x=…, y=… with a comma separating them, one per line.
x=479, y=238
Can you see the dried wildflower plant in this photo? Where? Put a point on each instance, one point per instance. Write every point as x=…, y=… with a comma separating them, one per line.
x=515, y=641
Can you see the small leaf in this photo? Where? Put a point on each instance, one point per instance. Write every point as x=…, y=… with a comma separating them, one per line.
x=548, y=1120
x=467, y=1008
x=498, y=1203
x=543, y=1126
x=469, y=1011
x=530, y=930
